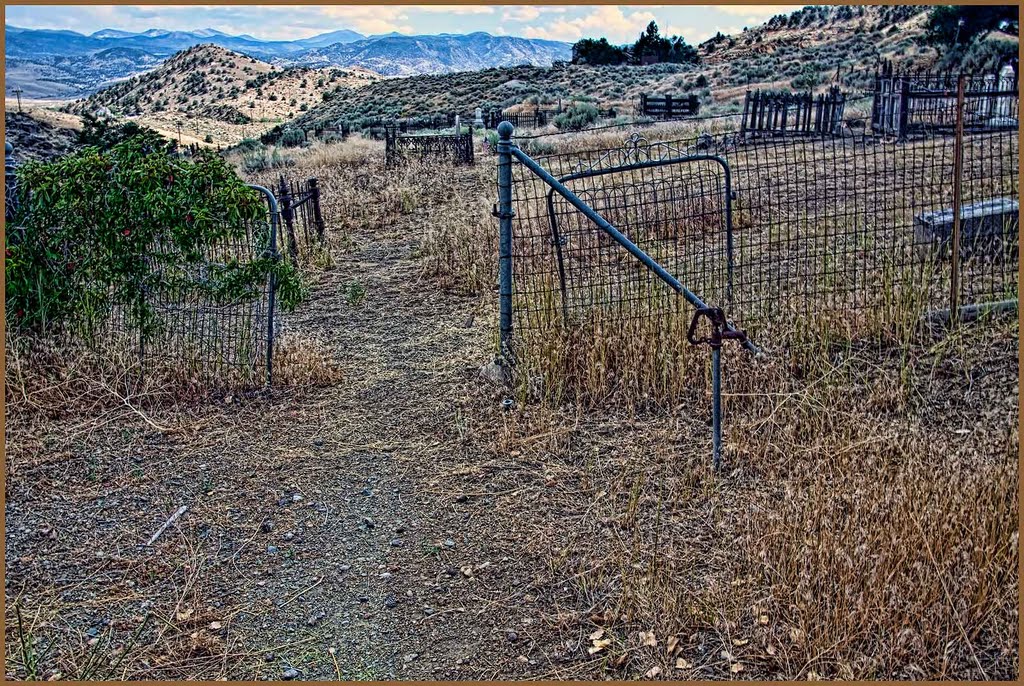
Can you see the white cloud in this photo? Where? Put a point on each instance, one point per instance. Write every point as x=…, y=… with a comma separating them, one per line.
x=455, y=9
x=606, y=21
x=521, y=13
x=756, y=14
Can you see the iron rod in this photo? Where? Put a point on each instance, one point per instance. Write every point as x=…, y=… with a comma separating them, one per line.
x=716, y=408
x=271, y=280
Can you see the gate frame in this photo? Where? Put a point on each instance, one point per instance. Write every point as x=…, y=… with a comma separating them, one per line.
x=722, y=328
x=648, y=164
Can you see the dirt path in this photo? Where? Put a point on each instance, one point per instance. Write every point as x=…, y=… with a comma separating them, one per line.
x=355, y=517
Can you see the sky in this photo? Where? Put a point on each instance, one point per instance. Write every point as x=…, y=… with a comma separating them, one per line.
x=618, y=23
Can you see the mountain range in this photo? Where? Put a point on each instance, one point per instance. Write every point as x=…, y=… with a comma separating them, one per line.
x=47, y=63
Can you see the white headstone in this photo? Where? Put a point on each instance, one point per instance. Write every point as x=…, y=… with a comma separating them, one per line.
x=478, y=118
x=1007, y=80
x=988, y=103
x=456, y=123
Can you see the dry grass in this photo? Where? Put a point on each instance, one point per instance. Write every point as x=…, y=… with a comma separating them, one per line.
x=865, y=525
x=833, y=546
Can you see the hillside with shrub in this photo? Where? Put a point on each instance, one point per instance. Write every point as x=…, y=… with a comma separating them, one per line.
x=212, y=91
x=805, y=50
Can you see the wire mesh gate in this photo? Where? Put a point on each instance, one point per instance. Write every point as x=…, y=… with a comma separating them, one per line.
x=620, y=229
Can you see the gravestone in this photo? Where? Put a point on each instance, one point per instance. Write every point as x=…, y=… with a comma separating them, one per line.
x=985, y=228
x=478, y=118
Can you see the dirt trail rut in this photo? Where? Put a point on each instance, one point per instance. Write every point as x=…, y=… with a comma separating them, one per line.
x=417, y=581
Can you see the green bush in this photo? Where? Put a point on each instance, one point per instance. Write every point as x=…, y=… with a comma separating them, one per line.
x=579, y=116
x=84, y=238
x=292, y=137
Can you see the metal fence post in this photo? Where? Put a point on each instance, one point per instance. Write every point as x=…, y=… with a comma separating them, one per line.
x=504, y=214
x=958, y=172
x=716, y=408
x=273, y=253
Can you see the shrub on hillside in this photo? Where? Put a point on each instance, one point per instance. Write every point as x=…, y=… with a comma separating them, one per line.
x=579, y=116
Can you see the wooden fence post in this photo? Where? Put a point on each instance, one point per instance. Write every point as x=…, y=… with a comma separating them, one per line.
x=288, y=214
x=958, y=171
x=314, y=197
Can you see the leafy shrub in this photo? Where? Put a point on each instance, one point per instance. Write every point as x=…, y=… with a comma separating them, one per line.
x=809, y=79
x=97, y=229
x=261, y=160
x=579, y=116
x=292, y=137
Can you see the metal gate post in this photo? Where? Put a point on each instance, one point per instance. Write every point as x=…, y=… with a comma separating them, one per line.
x=275, y=256
x=504, y=214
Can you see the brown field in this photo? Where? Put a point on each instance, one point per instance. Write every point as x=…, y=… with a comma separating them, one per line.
x=379, y=514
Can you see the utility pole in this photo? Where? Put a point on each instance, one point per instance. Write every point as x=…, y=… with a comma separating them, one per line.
x=18, y=92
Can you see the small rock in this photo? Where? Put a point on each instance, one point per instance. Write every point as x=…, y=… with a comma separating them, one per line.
x=267, y=526
x=409, y=593
x=493, y=372
x=271, y=549
x=390, y=600
x=289, y=674
x=428, y=611
x=461, y=498
x=410, y=657
x=449, y=543
x=385, y=575
x=364, y=599
x=269, y=657
x=367, y=522
x=318, y=442
x=367, y=492
x=396, y=543
x=289, y=536
x=296, y=498
x=512, y=636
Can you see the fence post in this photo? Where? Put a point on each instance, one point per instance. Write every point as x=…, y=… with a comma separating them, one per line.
x=958, y=171
x=318, y=217
x=10, y=184
x=504, y=213
x=289, y=223
x=904, y=112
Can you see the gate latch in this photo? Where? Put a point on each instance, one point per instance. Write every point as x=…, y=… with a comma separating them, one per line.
x=720, y=330
x=495, y=212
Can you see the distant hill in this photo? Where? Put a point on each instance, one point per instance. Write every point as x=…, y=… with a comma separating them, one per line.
x=445, y=53
x=34, y=139
x=62, y=64
x=210, y=90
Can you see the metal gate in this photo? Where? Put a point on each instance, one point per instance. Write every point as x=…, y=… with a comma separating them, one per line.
x=610, y=235
x=678, y=210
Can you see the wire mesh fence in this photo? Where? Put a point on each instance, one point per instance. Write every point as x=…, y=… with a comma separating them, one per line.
x=192, y=312
x=846, y=225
